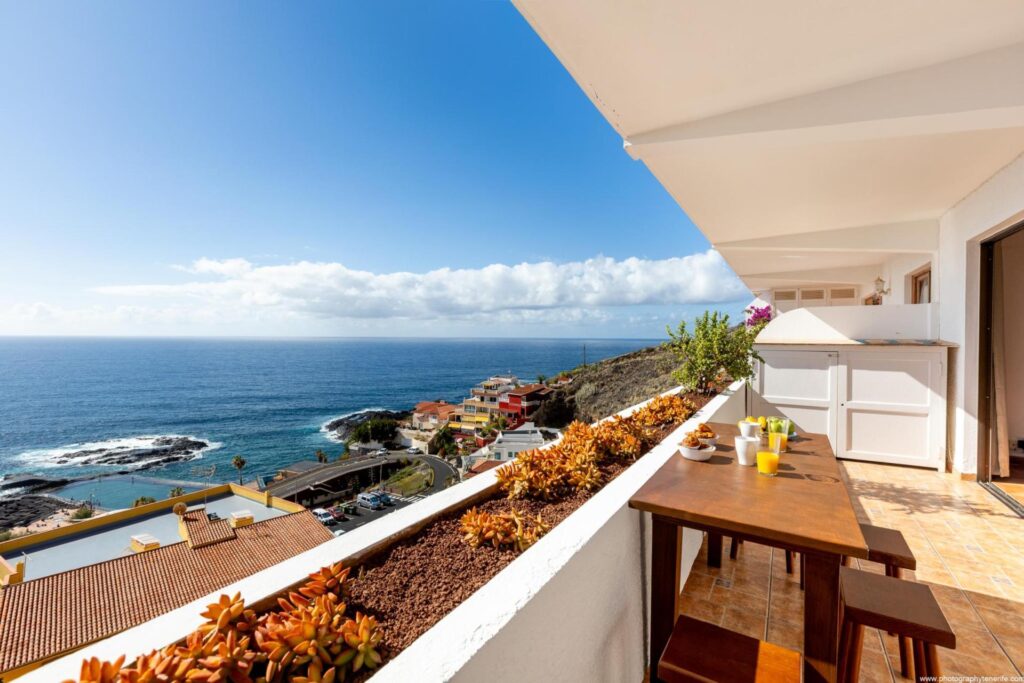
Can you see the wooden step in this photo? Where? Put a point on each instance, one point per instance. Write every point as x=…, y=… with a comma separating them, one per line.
x=699, y=651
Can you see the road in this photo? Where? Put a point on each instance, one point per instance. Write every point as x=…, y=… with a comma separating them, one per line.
x=442, y=470
x=300, y=482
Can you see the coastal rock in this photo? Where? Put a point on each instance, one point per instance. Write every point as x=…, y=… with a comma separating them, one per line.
x=340, y=428
x=23, y=510
x=159, y=451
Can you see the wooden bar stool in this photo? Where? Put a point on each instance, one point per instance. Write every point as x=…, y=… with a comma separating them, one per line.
x=889, y=548
x=699, y=651
x=887, y=603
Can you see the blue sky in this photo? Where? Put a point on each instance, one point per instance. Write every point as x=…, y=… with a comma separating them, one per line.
x=308, y=154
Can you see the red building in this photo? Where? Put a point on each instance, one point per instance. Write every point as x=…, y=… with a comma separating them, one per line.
x=518, y=404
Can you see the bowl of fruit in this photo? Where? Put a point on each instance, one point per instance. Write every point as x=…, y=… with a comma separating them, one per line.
x=692, y=449
x=705, y=434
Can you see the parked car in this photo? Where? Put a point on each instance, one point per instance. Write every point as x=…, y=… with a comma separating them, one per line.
x=369, y=500
x=380, y=452
x=414, y=450
x=338, y=513
x=339, y=532
x=384, y=498
x=323, y=516
x=350, y=508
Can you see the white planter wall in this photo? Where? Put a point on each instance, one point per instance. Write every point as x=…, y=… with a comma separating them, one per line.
x=573, y=607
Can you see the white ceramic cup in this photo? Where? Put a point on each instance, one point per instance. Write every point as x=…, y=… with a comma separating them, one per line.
x=746, y=450
x=752, y=429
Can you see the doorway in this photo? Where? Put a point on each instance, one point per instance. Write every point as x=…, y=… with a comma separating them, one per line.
x=1001, y=367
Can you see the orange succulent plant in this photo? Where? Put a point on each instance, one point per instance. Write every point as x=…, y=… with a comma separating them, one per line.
x=305, y=640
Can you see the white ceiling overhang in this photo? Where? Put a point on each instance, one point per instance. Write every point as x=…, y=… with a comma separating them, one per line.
x=850, y=127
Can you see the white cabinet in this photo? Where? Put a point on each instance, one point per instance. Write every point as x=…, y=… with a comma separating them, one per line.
x=883, y=403
x=800, y=385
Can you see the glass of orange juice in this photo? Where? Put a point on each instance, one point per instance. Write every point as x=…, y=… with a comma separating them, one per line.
x=777, y=441
x=767, y=463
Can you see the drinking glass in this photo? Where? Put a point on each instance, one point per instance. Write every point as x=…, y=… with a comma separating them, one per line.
x=778, y=433
x=767, y=463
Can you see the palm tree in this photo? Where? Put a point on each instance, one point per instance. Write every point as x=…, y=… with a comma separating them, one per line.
x=177, y=491
x=239, y=463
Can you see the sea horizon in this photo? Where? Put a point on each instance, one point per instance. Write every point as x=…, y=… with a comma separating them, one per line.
x=266, y=399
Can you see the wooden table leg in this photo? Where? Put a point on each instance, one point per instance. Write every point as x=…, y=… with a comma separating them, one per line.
x=666, y=543
x=714, y=549
x=821, y=617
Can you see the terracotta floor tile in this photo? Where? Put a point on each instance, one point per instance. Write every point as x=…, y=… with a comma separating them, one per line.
x=744, y=621
x=955, y=663
x=979, y=583
x=758, y=588
x=974, y=642
x=703, y=609
x=874, y=668
x=786, y=633
x=699, y=585
x=736, y=599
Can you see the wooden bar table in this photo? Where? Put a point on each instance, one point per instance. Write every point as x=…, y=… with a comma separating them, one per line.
x=806, y=508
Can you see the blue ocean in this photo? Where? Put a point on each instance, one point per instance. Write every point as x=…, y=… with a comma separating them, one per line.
x=265, y=399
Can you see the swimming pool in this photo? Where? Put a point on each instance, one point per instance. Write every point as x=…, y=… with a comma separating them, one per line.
x=120, y=491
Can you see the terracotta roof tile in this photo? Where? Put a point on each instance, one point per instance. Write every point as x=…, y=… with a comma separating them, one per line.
x=204, y=531
x=529, y=389
x=55, y=614
x=481, y=466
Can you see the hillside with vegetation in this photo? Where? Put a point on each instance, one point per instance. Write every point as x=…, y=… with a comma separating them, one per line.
x=703, y=357
x=608, y=386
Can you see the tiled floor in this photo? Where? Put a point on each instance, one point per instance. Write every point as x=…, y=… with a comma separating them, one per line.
x=1014, y=484
x=969, y=549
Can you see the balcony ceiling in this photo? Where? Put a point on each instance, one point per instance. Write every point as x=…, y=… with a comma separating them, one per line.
x=800, y=116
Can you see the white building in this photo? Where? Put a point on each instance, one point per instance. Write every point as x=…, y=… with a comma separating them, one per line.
x=820, y=147
x=514, y=441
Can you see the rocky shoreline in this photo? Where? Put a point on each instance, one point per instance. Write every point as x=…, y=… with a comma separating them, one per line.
x=23, y=510
x=161, y=451
x=340, y=428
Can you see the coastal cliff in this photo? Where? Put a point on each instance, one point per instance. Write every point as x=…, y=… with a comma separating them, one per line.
x=608, y=386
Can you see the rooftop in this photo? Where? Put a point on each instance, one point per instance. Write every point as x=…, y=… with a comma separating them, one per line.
x=110, y=542
x=529, y=389
x=430, y=407
x=302, y=466
x=481, y=466
x=63, y=611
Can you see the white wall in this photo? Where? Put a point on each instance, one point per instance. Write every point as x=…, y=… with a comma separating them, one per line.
x=996, y=205
x=896, y=272
x=839, y=324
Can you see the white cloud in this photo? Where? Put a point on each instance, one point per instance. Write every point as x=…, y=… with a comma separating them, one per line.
x=232, y=267
x=524, y=291
x=599, y=296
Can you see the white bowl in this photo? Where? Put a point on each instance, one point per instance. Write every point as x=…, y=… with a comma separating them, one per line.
x=698, y=454
x=710, y=441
